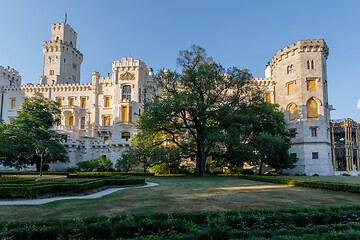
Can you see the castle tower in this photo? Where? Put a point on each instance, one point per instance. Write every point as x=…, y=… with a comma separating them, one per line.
x=61, y=58
x=301, y=91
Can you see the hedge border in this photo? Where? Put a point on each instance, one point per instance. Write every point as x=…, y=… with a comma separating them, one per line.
x=14, y=172
x=324, y=223
x=36, y=189
x=106, y=174
x=333, y=186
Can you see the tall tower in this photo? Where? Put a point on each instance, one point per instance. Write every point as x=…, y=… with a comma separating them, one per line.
x=301, y=91
x=61, y=58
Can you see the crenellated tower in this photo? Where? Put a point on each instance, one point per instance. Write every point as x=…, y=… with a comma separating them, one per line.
x=299, y=71
x=62, y=60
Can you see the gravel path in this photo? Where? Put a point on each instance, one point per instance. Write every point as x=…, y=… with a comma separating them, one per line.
x=90, y=196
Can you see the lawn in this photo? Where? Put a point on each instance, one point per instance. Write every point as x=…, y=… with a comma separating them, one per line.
x=185, y=194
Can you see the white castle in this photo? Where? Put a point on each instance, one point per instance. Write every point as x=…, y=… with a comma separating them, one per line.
x=97, y=119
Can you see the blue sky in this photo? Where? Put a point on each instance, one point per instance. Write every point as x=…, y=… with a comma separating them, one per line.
x=245, y=34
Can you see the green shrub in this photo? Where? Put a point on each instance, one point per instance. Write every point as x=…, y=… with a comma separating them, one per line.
x=334, y=186
x=106, y=174
x=247, y=172
x=34, y=189
x=99, y=165
x=325, y=223
x=30, y=173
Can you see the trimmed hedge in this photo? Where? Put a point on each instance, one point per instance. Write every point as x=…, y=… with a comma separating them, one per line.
x=106, y=174
x=35, y=189
x=30, y=173
x=325, y=223
x=334, y=186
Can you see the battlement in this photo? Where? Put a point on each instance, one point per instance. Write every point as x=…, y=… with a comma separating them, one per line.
x=58, y=26
x=9, y=71
x=264, y=81
x=56, y=46
x=301, y=46
x=128, y=62
x=56, y=87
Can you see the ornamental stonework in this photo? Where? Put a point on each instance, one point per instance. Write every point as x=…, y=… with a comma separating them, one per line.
x=127, y=76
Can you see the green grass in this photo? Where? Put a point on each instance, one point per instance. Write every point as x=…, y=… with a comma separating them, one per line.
x=185, y=194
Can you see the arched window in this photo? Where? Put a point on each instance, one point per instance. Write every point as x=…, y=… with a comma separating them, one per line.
x=57, y=38
x=308, y=64
x=312, y=64
x=312, y=109
x=292, y=112
x=125, y=135
x=126, y=92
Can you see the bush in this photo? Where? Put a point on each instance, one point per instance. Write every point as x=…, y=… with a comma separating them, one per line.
x=12, y=172
x=247, y=172
x=106, y=174
x=326, y=223
x=334, y=186
x=99, y=165
x=34, y=189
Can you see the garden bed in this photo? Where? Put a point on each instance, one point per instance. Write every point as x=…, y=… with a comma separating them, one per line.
x=334, y=186
x=324, y=223
x=30, y=188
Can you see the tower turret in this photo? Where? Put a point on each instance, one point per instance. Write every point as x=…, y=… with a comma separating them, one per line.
x=62, y=60
x=301, y=91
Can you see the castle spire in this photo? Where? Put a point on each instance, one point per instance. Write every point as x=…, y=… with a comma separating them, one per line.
x=65, y=17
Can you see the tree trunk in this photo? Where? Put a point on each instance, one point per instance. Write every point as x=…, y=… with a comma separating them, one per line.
x=261, y=166
x=200, y=161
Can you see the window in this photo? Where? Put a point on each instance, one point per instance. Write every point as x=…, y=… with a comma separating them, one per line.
x=59, y=100
x=83, y=122
x=124, y=114
x=292, y=112
x=290, y=69
x=156, y=99
x=311, y=85
x=64, y=60
x=268, y=97
x=293, y=131
x=126, y=92
x=71, y=101
x=83, y=102
x=312, y=109
x=313, y=131
x=310, y=64
x=107, y=101
x=140, y=95
x=13, y=103
x=74, y=66
x=125, y=135
x=106, y=121
x=315, y=155
x=52, y=72
x=71, y=121
x=291, y=88
x=106, y=138
x=139, y=112
x=130, y=113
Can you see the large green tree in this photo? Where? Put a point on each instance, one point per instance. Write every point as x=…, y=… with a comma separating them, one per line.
x=31, y=130
x=207, y=111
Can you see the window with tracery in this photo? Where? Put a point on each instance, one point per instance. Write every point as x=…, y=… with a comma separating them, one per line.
x=126, y=92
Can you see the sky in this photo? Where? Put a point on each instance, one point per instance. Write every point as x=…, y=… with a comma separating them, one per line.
x=245, y=34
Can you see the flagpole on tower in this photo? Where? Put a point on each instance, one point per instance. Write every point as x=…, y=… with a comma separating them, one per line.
x=65, y=17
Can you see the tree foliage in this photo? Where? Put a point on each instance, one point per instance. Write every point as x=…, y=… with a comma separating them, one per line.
x=209, y=111
x=32, y=130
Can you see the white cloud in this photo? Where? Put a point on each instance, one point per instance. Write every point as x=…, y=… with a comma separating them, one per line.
x=358, y=104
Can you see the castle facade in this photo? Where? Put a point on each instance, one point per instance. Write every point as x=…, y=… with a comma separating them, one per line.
x=97, y=119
